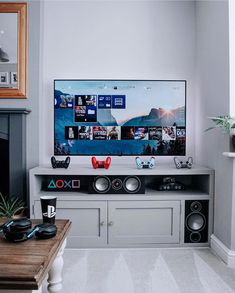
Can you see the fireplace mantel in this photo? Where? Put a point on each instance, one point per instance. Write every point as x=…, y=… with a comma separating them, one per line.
x=14, y=111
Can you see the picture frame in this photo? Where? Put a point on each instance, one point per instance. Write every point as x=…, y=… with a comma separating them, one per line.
x=19, y=90
x=14, y=78
x=4, y=78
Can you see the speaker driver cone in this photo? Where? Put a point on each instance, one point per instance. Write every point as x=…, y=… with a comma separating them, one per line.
x=117, y=184
x=196, y=206
x=195, y=237
x=102, y=184
x=196, y=221
x=132, y=184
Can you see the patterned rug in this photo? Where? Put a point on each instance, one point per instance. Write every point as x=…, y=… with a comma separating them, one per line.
x=146, y=271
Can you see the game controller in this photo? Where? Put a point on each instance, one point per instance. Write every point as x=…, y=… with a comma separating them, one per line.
x=180, y=164
x=60, y=164
x=169, y=183
x=145, y=164
x=101, y=164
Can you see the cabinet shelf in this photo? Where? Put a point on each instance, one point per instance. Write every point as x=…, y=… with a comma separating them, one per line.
x=149, y=194
x=121, y=169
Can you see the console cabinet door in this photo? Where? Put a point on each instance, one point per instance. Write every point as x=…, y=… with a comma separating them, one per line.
x=143, y=222
x=89, y=221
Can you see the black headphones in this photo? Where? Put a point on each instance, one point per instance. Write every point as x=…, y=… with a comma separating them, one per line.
x=20, y=230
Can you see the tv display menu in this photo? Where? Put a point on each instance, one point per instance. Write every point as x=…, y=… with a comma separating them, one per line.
x=120, y=117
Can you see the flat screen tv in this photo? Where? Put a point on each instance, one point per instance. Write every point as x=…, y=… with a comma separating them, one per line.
x=120, y=117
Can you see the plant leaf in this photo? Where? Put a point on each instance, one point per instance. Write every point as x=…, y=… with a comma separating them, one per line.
x=212, y=127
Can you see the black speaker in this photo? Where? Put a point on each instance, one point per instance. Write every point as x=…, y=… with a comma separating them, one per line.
x=117, y=184
x=196, y=221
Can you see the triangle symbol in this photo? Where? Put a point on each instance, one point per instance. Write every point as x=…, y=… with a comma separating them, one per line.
x=52, y=184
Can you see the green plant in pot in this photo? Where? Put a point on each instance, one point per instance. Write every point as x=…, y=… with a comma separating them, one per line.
x=10, y=207
x=227, y=124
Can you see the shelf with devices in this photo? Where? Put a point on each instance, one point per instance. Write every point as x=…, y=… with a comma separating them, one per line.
x=123, y=207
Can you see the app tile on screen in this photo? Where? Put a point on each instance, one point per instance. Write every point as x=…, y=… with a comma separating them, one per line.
x=114, y=132
x=169, y=133
x=99, y=132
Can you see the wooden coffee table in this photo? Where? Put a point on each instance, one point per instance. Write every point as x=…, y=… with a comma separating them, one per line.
x=24, y=265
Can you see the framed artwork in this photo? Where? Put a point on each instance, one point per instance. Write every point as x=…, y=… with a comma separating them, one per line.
x=4, y=78
x=14, y=78
x=14, y=48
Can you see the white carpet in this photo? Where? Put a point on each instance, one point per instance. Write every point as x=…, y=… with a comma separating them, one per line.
x=146, y=271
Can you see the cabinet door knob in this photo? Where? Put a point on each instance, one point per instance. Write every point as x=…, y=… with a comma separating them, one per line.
x=102, y=223
x=110, y=223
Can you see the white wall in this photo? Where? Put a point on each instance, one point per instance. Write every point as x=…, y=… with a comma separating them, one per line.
x=117, y=39
x=33, y=99
x=232, y=98
x=212, y=99
x=232, y=55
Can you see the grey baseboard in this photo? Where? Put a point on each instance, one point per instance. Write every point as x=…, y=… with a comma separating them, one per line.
x=220, y=249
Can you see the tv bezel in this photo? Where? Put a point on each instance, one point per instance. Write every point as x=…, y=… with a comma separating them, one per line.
x=123, y=155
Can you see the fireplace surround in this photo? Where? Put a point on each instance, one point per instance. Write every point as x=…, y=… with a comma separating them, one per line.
x=13, y=152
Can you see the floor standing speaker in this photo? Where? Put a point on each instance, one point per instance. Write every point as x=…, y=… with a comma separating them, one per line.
x=117, y=184
x=196, y=221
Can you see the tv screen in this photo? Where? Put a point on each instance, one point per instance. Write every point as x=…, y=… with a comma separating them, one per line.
x=119, y=117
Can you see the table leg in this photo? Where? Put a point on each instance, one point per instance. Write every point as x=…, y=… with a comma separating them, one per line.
x=55, y=273
x=38, y=291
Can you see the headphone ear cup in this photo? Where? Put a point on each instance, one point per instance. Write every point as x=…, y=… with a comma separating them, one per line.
x=46, y=231
x=20, y=225
x=14, y=236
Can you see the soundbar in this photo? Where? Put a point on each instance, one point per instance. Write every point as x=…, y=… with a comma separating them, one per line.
x=117, y=184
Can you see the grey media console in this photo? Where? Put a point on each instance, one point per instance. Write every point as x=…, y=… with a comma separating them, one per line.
x=153, y=219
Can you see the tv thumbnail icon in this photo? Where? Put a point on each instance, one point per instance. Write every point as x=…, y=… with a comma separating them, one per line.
x=155, y=133
x=85, y=100
x=104, y=102
x=113, y=132
x=85, y=114
x=64, y=101
x=141, y=133
x=169, y=133
x=80, y=113
x=99, y=133
x=127, y=132
x=118, y=101
x=85, y=133
x=180, y=133
x=71, y=132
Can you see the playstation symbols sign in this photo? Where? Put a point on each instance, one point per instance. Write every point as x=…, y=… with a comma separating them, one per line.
x=62, y=183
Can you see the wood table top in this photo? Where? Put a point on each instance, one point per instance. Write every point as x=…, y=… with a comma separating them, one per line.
x=24, y=265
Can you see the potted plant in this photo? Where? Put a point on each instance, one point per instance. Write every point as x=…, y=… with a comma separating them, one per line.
x=11, y=207
x=227, y=123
